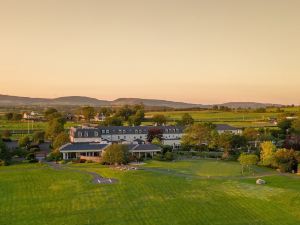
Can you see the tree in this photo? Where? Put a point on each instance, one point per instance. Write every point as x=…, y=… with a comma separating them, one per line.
x=153, y=133
x=60, y=140
x=250, y=134
x=5, y=156
x=88, y=112
x=137, y=118
x=115, y=154
x=285, y=125
x=186, y=120
x=6, y=134
x=125, y=112
x=113, y=121
x=55, y=127
x=296, y=126
x=248, y=160
x=17, y=116
x=286, y=160
x=225, y=142
x=8, y=116
x=105, y=111
x=197, y=135
x=24, y=142
x=267, y=150
x=38, y=136
x=159, y=119
x=238, y=141
x=50, y=112
x=156, y=141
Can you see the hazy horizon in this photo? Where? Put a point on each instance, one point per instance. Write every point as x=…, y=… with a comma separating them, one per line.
x=204, y=52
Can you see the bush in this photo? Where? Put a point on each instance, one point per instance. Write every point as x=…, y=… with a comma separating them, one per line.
x=54, y=156
x=169, y=156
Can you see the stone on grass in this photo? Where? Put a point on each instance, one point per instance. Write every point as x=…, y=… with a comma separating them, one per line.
x=260, y=181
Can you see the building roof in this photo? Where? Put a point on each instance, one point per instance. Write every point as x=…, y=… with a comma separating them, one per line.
x=121, y=130
x=225, y=127
x=83, y=146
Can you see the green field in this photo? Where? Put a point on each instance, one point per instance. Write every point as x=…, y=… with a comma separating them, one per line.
x=239, y=119
x=163, y=193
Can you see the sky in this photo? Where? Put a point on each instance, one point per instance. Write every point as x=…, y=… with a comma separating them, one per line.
x=198, y=51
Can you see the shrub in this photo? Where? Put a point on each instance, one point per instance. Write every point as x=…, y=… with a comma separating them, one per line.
x=169, y=156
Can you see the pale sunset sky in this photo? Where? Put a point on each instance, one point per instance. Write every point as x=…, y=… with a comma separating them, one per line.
x=199, y=51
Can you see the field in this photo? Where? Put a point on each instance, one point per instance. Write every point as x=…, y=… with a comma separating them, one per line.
x=239, y=119
x=189, y=192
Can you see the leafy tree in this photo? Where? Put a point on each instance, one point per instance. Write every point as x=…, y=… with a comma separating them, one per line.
x=115, y=154
x=250, y=134
x=296, y=126
x=247, y=160
x=5, y=156
x=197, y=135
x=55, y=127
x=159, y=119
x=285, y=125
x=106, y=111
x=169, y=156
x=186, y=120
x=225, y=142
x=238, y=141
x=50, y=112
x=153, y=133
x=38, y=136
x=137, y=118
x=60, y=140
x=286, y=160
x=17, y=116
x=8, y=116
x=24, y=142
x=113, y=121
x=267, y=153
x=156, y=141
x=88, y=112
x=6, y=134
x=125, y=112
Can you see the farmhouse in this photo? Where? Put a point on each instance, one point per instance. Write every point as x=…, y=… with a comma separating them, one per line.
x=221, y=128
x=93, y=151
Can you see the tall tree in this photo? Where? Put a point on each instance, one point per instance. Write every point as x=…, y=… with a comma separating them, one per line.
x=115, y=154
x=196, y=135
x=154, y=133
x=159, y=119
x=247, y=160
x=186, y=120
x=5, y=156
x=55, y=127
x=267, y=150
x=60, y=140
x=88, y=112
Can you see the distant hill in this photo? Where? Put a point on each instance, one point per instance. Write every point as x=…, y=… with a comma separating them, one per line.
x=155, y=102
x=7, y=100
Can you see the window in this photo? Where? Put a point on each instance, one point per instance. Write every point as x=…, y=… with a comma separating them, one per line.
x=86, y=134
x=79, y=134
x=96, y=134
x=124, y=131
x=136, y=131
x=103, y=131
x=107, y=131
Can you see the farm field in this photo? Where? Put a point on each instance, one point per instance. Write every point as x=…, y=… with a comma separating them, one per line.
x=33, y=194
x=239, y=119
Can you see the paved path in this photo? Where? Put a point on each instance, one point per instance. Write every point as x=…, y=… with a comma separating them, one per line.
x=97, y=179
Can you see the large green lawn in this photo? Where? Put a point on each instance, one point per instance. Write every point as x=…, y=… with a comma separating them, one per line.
x=38, y=195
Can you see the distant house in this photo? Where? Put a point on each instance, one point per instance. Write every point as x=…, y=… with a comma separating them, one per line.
x=221, y=128
x=93, y=151
x=32, y=116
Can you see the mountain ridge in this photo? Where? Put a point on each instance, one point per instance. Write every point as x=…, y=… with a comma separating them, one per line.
x=9, y=100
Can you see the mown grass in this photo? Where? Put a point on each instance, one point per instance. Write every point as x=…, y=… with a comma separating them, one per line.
x=34, y=194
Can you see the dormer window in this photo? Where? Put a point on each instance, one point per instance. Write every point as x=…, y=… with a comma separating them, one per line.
x=86, y=134
x=107, y=131
x=96, y=134
x=79, y=134
x=103, y=131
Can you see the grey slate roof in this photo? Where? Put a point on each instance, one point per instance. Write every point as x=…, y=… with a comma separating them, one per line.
x=83, y=146
x=119, y=130
x=225, y=127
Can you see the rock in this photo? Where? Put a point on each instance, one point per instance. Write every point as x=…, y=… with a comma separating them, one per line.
x=260, y=181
